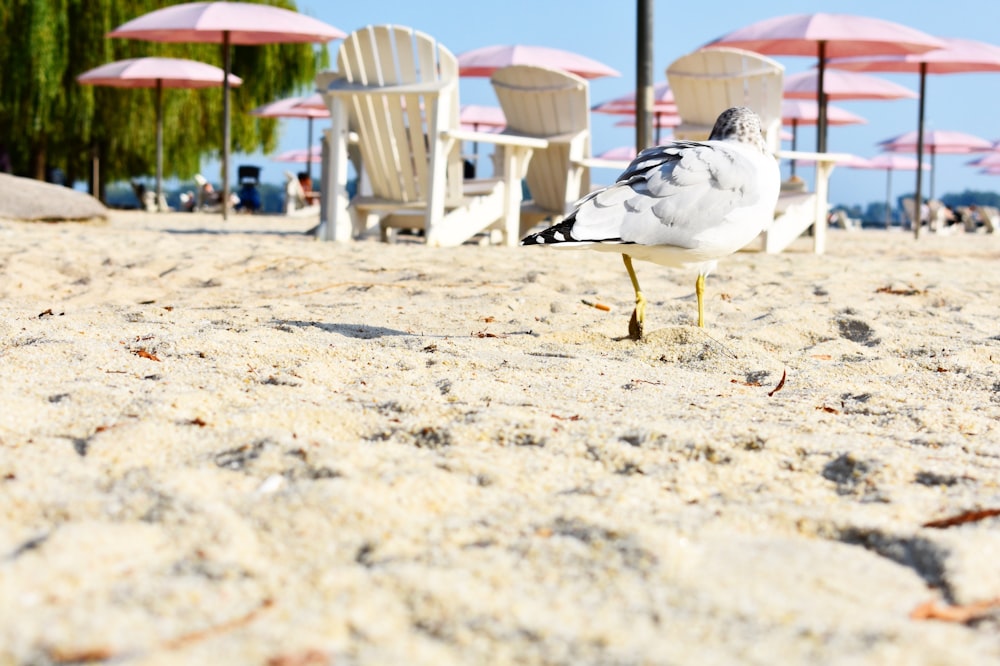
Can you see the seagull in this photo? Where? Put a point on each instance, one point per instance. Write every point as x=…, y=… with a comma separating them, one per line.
x=684, y=204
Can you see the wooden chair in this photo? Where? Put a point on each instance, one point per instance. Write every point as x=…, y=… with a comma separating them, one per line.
x=553, y=105
x=707, y=82
x=990, y=217
x=397, y=88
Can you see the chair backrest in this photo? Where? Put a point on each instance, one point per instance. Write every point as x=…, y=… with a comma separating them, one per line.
x=708, y=81
x=401, y=89
x=553, y=104
x=248, y=174
x=990, y=217
x=909, y=209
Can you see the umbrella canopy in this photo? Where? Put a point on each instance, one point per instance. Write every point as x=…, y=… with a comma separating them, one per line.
x=226, y=23
x=843, y=85
x=296, y=107
x=244, y=23
x=663, y=105
x=828, y=36
x=488, y=59
x=290, y=107
x=956, y=56
x=619, y=153
x=795, y=112
x=310, y=155
x=314, y=101
x=479, y=116
x=936, y=141
x=989, y=160
x=660, y=120
x=893, y=162
x=157, y=73
x=663, y=102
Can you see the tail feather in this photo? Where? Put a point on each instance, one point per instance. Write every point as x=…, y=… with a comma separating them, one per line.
x=559, y=233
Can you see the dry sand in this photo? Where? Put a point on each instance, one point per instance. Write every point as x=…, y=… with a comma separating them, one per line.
x=227, y=443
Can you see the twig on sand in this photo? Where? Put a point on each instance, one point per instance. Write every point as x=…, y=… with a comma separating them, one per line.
x=963, y=614
x=781, y=384
x=962, y=518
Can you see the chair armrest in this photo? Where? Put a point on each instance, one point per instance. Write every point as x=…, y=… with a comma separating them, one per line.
x=341, y=87
x=499, y=138
x=833, y=158
x=599, y=163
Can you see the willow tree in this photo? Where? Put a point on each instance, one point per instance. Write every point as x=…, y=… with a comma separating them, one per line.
x=48, y=120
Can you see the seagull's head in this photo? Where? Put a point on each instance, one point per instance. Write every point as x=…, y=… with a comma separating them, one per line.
x=739, y=124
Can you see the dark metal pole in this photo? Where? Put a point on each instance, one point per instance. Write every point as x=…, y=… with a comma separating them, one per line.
x=917, y=197
x=888, y=199
x=159, y=143
x=821, y=101
x=644, y=75
x=795, y=133
x=225, y=124
x=309, y=153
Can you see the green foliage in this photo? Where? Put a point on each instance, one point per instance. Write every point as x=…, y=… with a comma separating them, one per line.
x=49, y=120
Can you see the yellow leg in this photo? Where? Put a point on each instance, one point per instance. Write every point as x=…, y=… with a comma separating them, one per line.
x=639, y=314
x=699, y=290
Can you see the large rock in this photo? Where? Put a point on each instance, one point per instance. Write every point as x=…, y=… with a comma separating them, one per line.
x=28, y=199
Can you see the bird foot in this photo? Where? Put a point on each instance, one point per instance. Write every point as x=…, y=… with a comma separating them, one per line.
x=635, y=326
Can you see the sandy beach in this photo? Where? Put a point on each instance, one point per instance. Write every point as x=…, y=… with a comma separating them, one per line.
x=228, y=443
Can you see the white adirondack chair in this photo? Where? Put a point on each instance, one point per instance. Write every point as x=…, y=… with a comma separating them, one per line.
x=707, y=82
x=553, y=105
x=397, y=89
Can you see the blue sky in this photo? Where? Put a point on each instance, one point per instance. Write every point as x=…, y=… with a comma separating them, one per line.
x=605, y=30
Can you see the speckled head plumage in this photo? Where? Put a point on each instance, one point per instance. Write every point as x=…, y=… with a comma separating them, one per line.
x=739, y=124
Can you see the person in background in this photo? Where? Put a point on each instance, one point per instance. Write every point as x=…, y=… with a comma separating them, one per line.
x=312, y=197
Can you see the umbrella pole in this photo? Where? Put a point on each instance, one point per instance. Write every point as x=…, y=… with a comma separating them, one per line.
x=933, y=171
x=644, y=75
x=918, y=202
x=309, y=153
x=795, y=131
x=821, y=100
x=159, y=144
x=888, y=199
x=225, y=124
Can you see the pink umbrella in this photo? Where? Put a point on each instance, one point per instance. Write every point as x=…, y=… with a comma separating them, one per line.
x=958, y=55
x=990, y=160
x=663, y=100
x=660, y=120
x=663, y=104
x=291, y=107
x=486, y=60
x=478, y=116
x=619, y=153
x=938, y=141
x=296, y=107
x=314, y=101
x=157, y=73
x=310, y=155
x=795, y=112
x=842, y=85
x=828, y=36
x=226, y=23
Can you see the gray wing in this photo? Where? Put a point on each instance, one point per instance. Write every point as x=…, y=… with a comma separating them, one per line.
x=669, y=195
